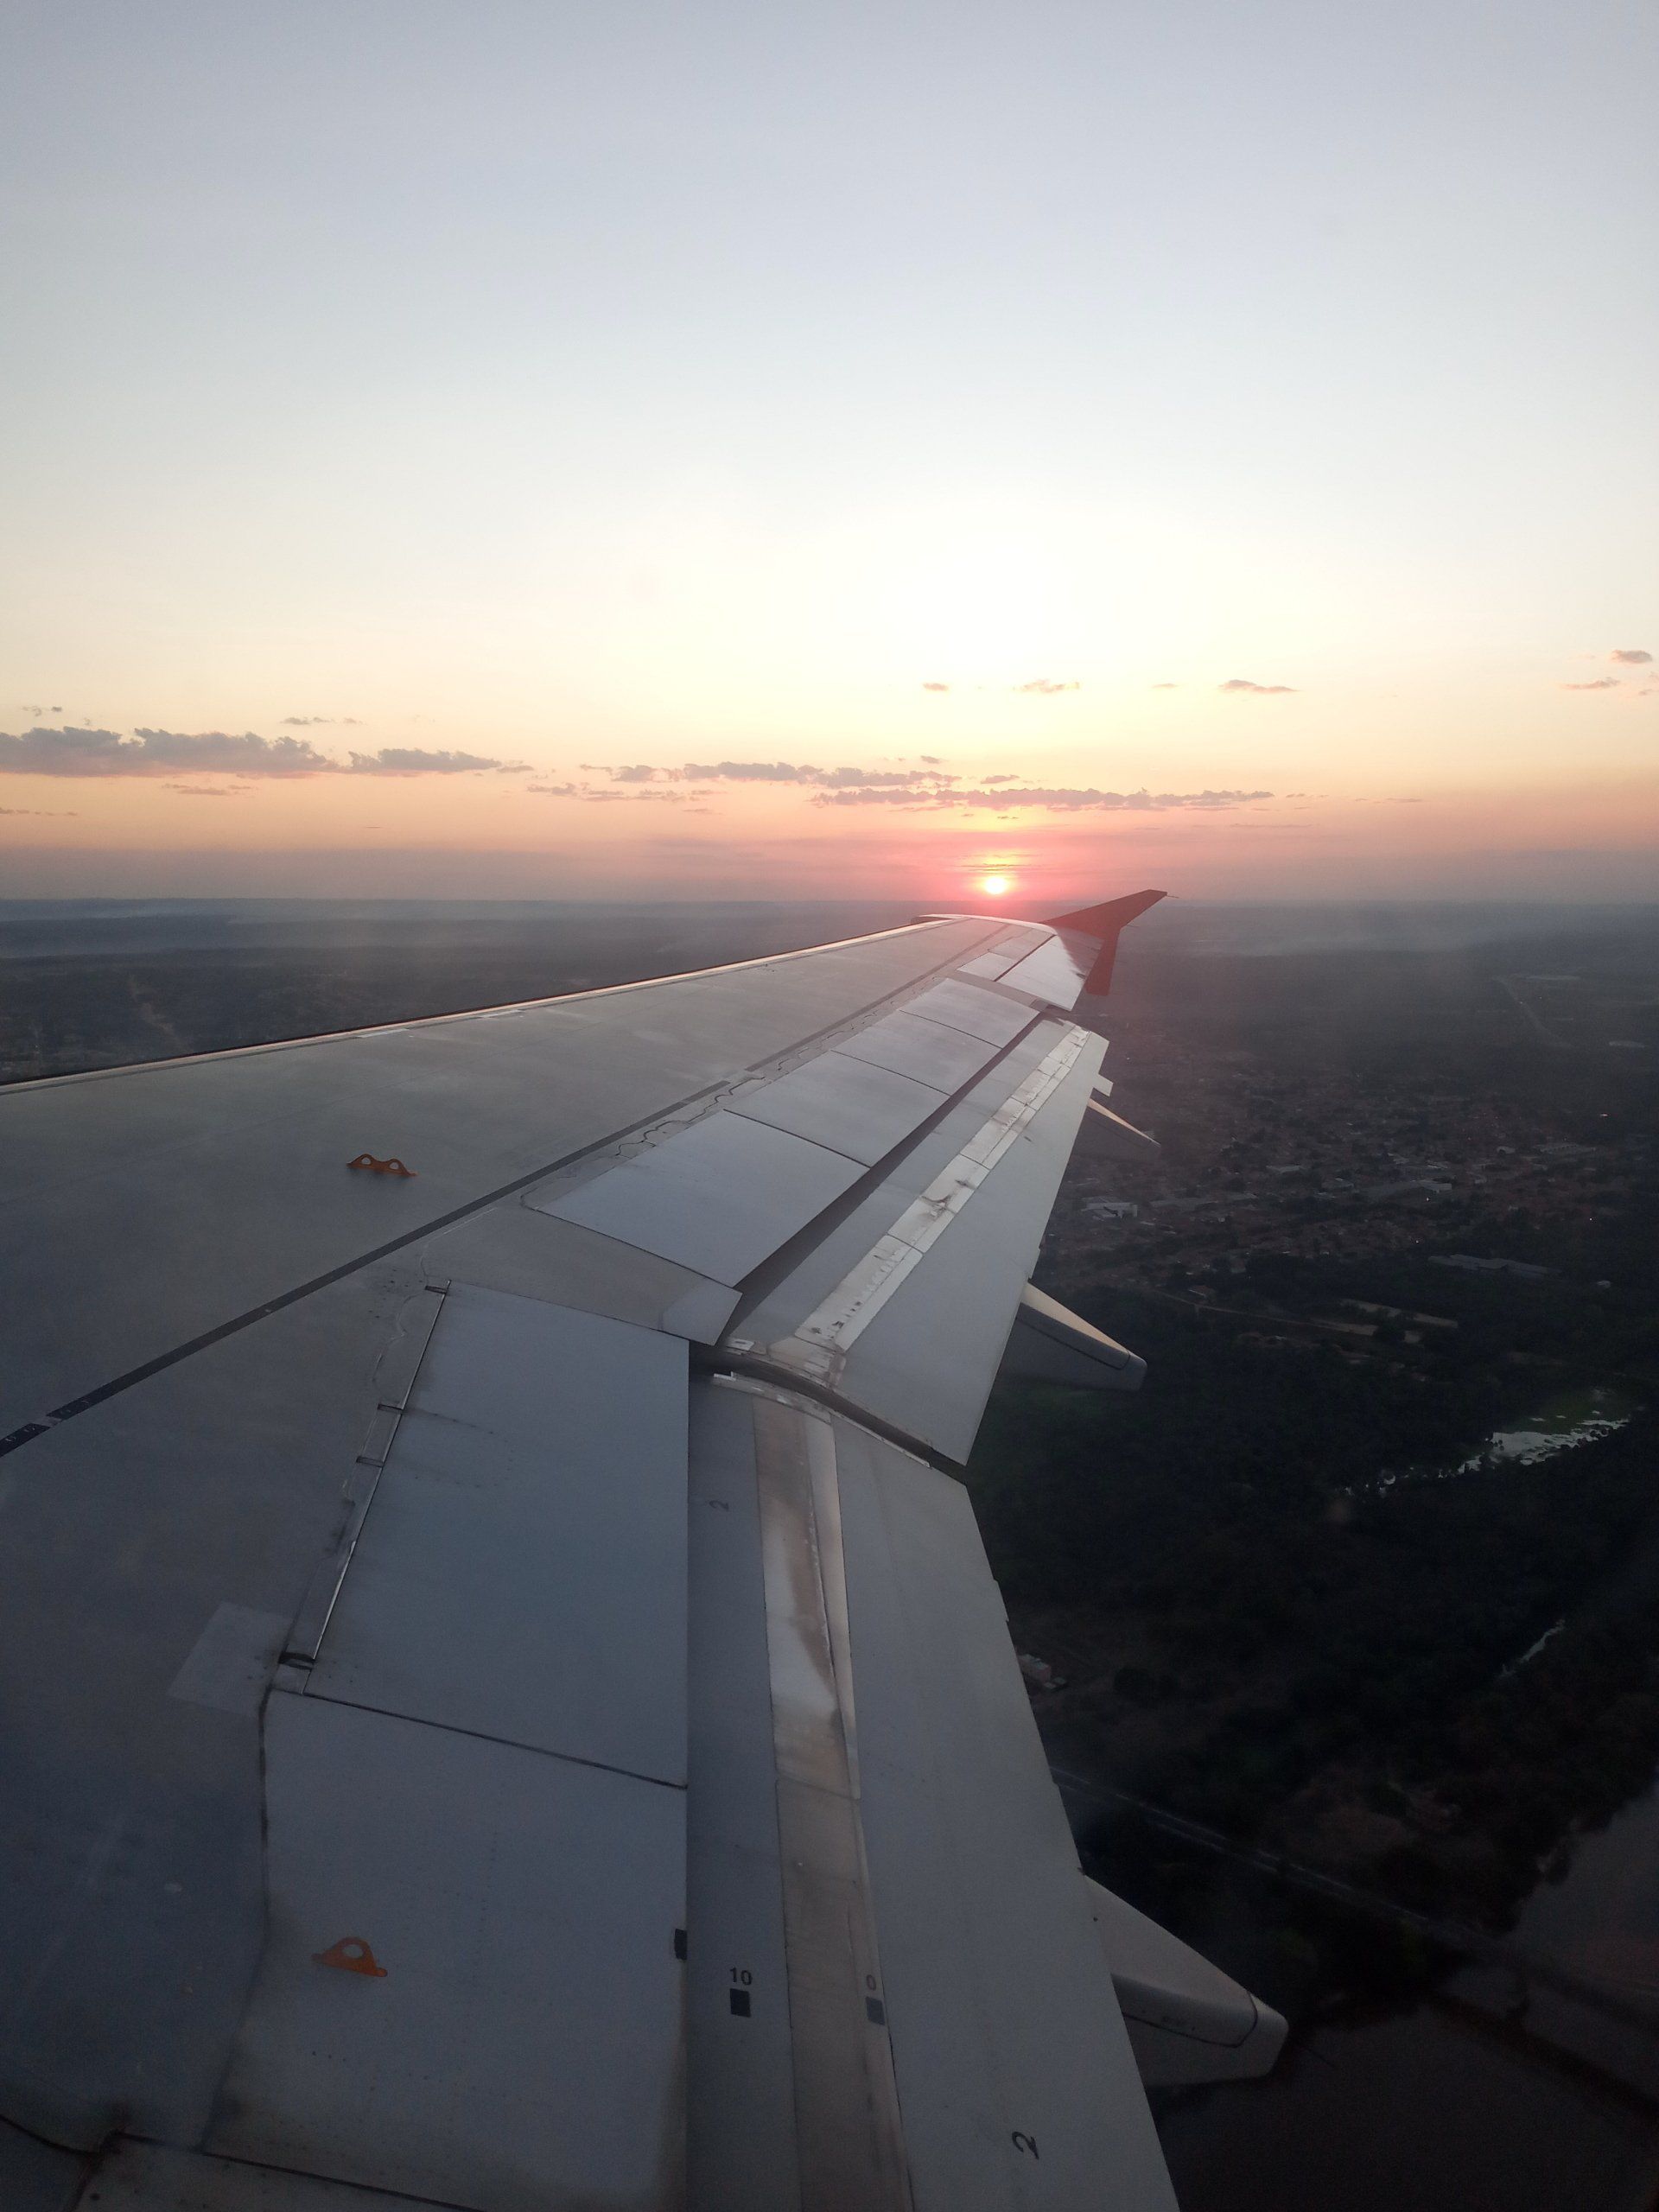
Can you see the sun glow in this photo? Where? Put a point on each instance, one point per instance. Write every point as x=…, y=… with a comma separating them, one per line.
x=995, y=886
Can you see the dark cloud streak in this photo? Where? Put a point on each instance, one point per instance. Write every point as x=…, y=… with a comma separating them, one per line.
x=101, y=752
x=416, y=761
x=783, y=772
x=1058, y=799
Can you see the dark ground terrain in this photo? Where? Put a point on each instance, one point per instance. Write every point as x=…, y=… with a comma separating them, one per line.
x=1278, y=1607
x=1374, y=1686
x=96, y=983
x=1293, y=1600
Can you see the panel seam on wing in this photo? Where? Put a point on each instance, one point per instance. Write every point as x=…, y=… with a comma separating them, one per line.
x=819, y=1344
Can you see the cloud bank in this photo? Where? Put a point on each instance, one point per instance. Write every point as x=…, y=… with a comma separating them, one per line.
x=1057, y=799
x=782, y=771
x=915, y=790
x=416, y=760
x=217, y=752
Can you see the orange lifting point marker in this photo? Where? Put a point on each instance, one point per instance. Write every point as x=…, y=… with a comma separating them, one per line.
x=354, y=1955
x=380, y=1167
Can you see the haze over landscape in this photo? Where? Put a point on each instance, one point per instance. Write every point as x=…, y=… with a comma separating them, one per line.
x=662, y=453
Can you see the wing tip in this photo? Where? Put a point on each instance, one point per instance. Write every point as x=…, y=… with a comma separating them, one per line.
x=1110, y=916
x=1107, y=921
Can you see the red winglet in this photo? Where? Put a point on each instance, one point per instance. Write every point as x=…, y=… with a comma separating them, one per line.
x=1107, y=922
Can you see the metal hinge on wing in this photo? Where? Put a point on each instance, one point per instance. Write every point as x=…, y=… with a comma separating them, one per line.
x=399, y=1369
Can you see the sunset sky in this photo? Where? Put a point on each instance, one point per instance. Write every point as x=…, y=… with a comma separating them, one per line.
x=724, y=451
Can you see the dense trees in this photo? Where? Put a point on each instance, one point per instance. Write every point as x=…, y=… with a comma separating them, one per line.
x=1288, y=1638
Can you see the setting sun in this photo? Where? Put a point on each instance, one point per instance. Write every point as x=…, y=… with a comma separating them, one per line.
x=993, y=886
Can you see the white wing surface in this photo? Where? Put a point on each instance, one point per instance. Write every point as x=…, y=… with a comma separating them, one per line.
x=506, y=1705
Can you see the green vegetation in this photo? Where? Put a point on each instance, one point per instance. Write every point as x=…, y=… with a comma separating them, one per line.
x=1260, y=1632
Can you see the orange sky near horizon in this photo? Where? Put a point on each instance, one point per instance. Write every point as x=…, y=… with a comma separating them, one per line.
x=471, y=833
x=1161, y=447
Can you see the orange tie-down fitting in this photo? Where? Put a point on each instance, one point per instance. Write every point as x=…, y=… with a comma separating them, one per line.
x=354, y=1955
x=380, y=1167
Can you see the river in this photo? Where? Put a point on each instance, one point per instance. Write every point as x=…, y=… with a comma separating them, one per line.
x=1567, y=1418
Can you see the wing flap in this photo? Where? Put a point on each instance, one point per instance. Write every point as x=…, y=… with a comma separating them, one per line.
x=915, y=1898
x=521, y=1571
x=905, y=1310
x=512, y=2041
x=1015, y=2073
x=475, y=1798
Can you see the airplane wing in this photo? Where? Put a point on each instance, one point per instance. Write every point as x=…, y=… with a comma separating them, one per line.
x=504, y=1702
